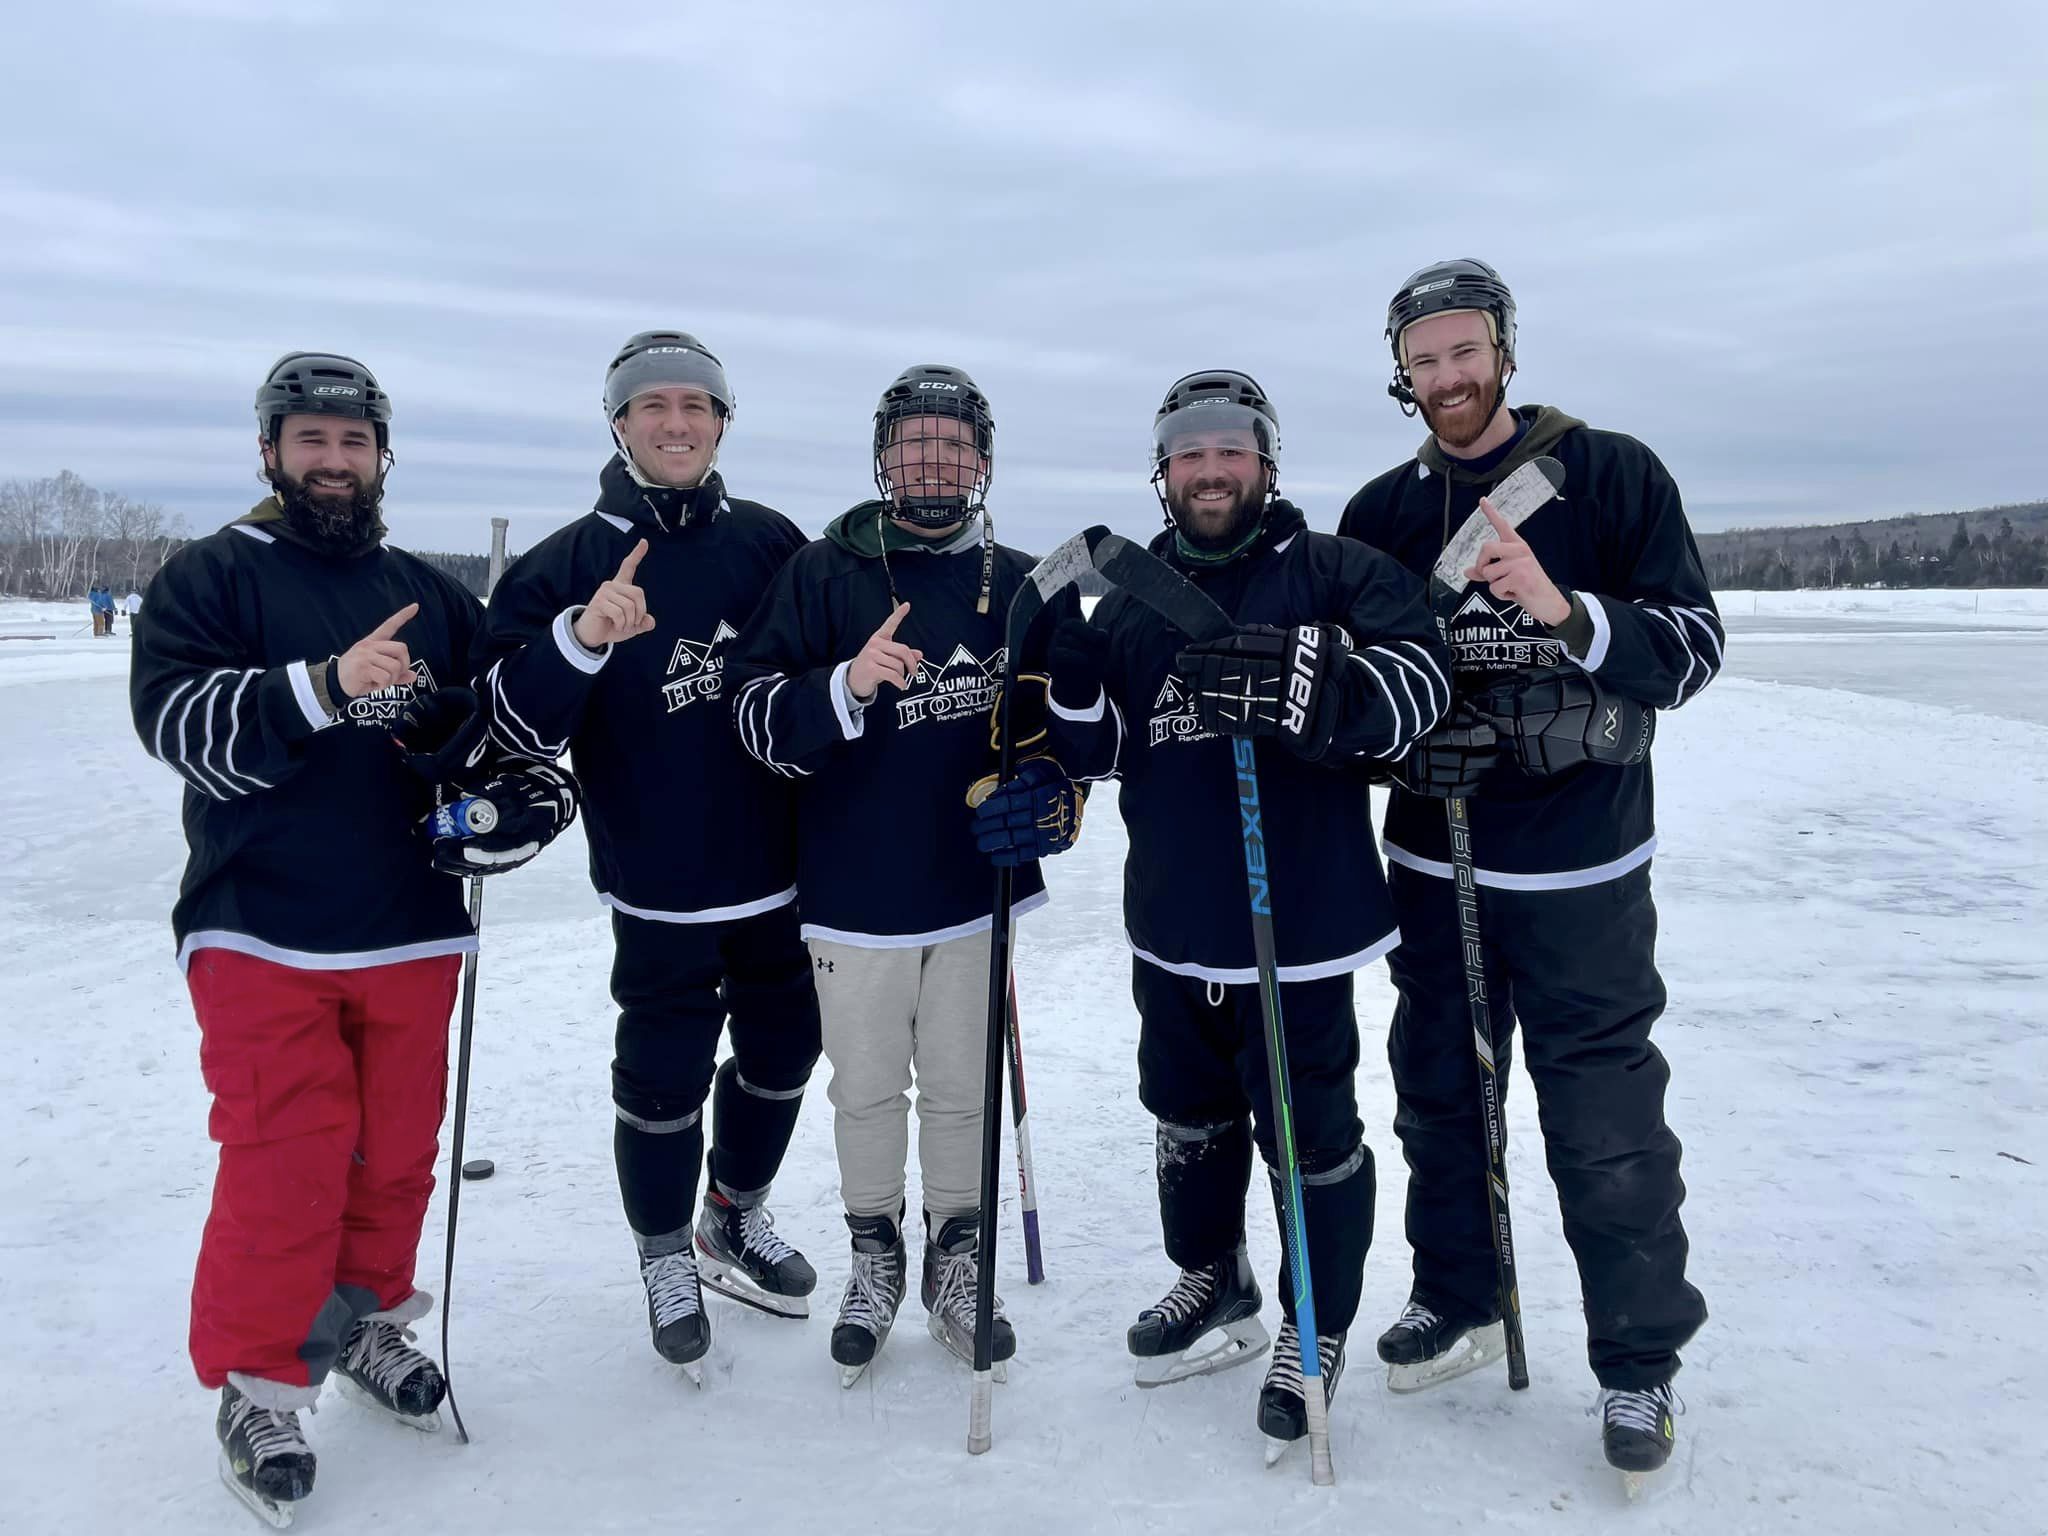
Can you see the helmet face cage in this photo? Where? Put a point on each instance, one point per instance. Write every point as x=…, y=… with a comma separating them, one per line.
x=664, y=360
x=934, y=446
x=321, y=384
x=1443, y=288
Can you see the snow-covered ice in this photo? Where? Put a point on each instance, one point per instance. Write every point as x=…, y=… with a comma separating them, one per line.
x=1853, y=893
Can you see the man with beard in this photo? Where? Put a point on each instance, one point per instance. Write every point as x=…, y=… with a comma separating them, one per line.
x=320, y=937
x=1133, y=699
x=690, y=840
x=1575, y=627
x=908, y=590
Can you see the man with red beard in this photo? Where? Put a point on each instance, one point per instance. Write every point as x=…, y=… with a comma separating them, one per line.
x=1566, y=636
x=319, y=931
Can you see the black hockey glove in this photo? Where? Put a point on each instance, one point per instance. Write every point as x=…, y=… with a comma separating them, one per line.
x=1264, y=681
x=1034, y=816
x=1452, y=760
x=440, y=735
x=1078, y=659
x=503, y=822
x=1559, y=717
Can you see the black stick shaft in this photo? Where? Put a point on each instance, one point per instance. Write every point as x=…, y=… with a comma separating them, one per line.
x=476, y=922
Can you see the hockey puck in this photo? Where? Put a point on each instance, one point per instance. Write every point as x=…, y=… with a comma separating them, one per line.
x=479, y=1168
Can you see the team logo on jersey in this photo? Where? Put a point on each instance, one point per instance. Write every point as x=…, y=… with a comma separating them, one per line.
x=1173, y=716
x=1489, y=634
x=695, y=670
x=383, y=707
x=963, y=689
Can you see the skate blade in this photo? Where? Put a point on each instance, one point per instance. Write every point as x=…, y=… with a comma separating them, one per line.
x=850, y=1375
x=1232, y=1344
x=999, y=1369
x=1275, y=1449
x=739, y=1287
x=425, y=1423
x=273, y=1514
x=694, y=1371
x=1477, y=1349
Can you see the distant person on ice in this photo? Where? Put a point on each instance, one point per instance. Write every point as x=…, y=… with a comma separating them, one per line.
x=319, y=932
x=1573, y=629
x=1134, y=699
x=868, y=675
x=610, y=637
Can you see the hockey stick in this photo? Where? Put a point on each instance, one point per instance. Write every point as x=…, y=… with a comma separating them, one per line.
x=1194, y=613
x=1051, y=575
x=476, y=924
x=1530, y=487
x=1020, y=1119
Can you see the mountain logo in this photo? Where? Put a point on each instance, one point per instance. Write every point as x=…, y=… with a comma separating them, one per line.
x=696, y=670
x=383, y=707
x=965, y=688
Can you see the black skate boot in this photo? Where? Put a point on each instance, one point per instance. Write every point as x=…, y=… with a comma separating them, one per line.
x=264, y=1459
x=1283, y=1411
x=675, y=1310
x=741, y=1257
x=380, y=1369
x=874, y=1290
x=950, y=1269
x=1208, y=1322
x=1424, y=1348
x=1637, y=1431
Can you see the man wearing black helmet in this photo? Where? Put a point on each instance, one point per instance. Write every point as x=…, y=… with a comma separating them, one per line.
x=1131, y=698
x=689, y=839
x=319, y=934
x=868, y=676
x=1596, y=611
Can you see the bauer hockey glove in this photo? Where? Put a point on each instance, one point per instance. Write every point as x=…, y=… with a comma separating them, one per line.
x=1265, y=681
x=503, y=822
x=1034, y=816
x=1452, y=760
x=1559, y=717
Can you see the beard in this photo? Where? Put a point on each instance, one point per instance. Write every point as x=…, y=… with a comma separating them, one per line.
x=1468, y=423
x=1222, y=527
x=337, y=525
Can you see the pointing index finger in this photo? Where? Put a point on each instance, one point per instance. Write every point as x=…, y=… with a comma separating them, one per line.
x=631, y=563
x=888, y=629
x=394, y=624
x=1501, y=525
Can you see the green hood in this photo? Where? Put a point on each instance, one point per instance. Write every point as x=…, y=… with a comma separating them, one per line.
x=1548, y=425
x=866, y=531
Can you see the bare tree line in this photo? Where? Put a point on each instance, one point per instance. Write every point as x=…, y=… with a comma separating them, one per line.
x=60, y=536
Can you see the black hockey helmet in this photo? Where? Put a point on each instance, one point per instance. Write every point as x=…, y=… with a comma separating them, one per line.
x=935, y=389
x=321, y=384
x=1213, y=398
x=1439, y=289
x=664, y=360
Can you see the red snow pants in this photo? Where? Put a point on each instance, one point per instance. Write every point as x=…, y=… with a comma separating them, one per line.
x=328, y=1090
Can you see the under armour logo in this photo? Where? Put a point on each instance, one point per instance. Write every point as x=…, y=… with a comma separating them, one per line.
x=823, y=963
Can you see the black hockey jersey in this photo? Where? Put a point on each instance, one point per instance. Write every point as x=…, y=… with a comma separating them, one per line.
x=885, y=850
x=1186, y=905
x=682, y=825
x=301, y=824
x=1618, y=539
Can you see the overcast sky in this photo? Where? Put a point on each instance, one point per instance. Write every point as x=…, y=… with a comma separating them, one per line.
x=1800, y=250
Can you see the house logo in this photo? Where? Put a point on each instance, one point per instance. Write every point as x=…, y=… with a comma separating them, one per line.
x=1490, y=634
x=696, y=670
x=965, y=688
x=1173, y=716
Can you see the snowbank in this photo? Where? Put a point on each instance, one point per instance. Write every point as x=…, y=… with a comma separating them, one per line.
x=2028, y=603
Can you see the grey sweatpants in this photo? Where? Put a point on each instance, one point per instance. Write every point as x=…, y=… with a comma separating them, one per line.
x=884, y=1013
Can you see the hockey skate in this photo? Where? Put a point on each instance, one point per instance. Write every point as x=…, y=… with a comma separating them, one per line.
x=1208, y=1322
x=264, y=1459
x=675, y=1311
x=1424, y=1349
x=740, y=1255
x=380, y=1370
x=1637, y=1431
x=874, y=1290
x=948, y=1292
x=1283, y=1409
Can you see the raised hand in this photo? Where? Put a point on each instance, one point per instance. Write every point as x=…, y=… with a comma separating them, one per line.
x=617, y=610
x=1513, y=574
x=884, y=659
x=379, y=659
